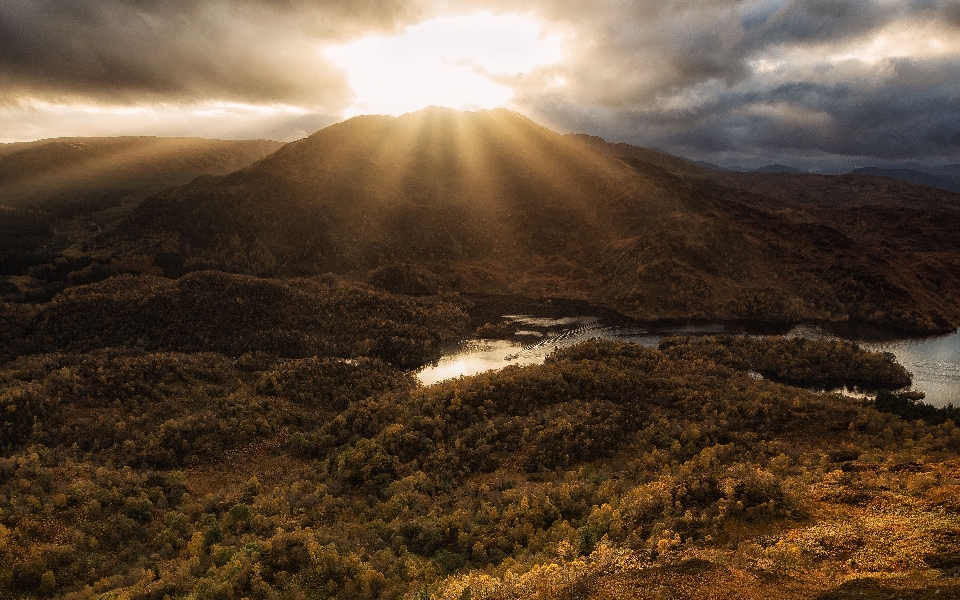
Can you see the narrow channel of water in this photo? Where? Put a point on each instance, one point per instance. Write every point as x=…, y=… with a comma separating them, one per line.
x=934, y=361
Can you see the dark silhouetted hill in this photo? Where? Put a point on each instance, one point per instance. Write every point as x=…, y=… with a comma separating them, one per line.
x=233, y=314
x=947, y=170
x=777, y=168
x=491, y=202
x=486, y=200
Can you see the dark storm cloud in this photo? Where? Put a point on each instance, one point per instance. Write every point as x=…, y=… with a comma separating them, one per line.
x=917, y=115
x=814, y=20
x=763, y=79
x=679, y=44
x=182, y=50
x=897, y=122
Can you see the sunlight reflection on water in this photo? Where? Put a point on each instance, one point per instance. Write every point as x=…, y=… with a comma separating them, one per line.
x=934, y=361
x=475, y=356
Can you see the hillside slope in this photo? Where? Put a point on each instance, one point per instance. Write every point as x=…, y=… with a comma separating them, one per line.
x=56, y=195
x=475, y=193
x=492, y=202
x=69, y=170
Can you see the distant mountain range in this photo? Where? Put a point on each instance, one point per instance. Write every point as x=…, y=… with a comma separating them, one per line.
x=786, y=184
x=946, y=177
x=777, y=168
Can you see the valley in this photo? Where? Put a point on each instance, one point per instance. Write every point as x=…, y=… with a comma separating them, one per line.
x=209, y=371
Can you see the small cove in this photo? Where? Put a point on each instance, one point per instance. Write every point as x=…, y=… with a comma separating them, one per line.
x=934, y=361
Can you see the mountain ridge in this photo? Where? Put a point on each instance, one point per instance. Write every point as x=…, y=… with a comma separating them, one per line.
x=63, y=170
x=943, y=181
x=491, y=202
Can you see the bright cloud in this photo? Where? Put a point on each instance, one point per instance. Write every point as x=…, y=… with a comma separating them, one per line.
x=466, y=62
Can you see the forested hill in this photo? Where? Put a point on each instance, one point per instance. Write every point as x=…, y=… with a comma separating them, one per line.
x=471, y=196
x=57, y=195
x=491, y=202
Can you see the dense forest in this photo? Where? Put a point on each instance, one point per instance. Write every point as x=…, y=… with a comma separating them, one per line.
x=234, y=314
x=152, y=450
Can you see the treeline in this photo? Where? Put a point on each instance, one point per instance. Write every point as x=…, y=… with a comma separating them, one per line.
x=155, y=474
x=908, y=406
x=799, y=361
x=233, y=314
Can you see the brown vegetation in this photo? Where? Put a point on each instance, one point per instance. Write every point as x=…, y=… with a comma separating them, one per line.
x=209, y=311
x=798, y=361
x=613, y=470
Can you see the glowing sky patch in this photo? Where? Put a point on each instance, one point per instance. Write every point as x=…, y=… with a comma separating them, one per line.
x=928, y=40
x=460, y=62
x=35, y=119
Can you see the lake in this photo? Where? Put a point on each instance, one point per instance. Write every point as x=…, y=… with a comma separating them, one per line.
x=934, y=361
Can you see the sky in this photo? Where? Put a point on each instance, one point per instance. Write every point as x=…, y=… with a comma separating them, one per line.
x=818, y=84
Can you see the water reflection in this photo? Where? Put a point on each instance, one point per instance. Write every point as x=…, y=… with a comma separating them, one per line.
x=475, y=356
x=537, y=337
x=934, y=361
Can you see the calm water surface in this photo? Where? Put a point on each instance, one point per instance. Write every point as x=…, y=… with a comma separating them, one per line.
x=934, y=361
